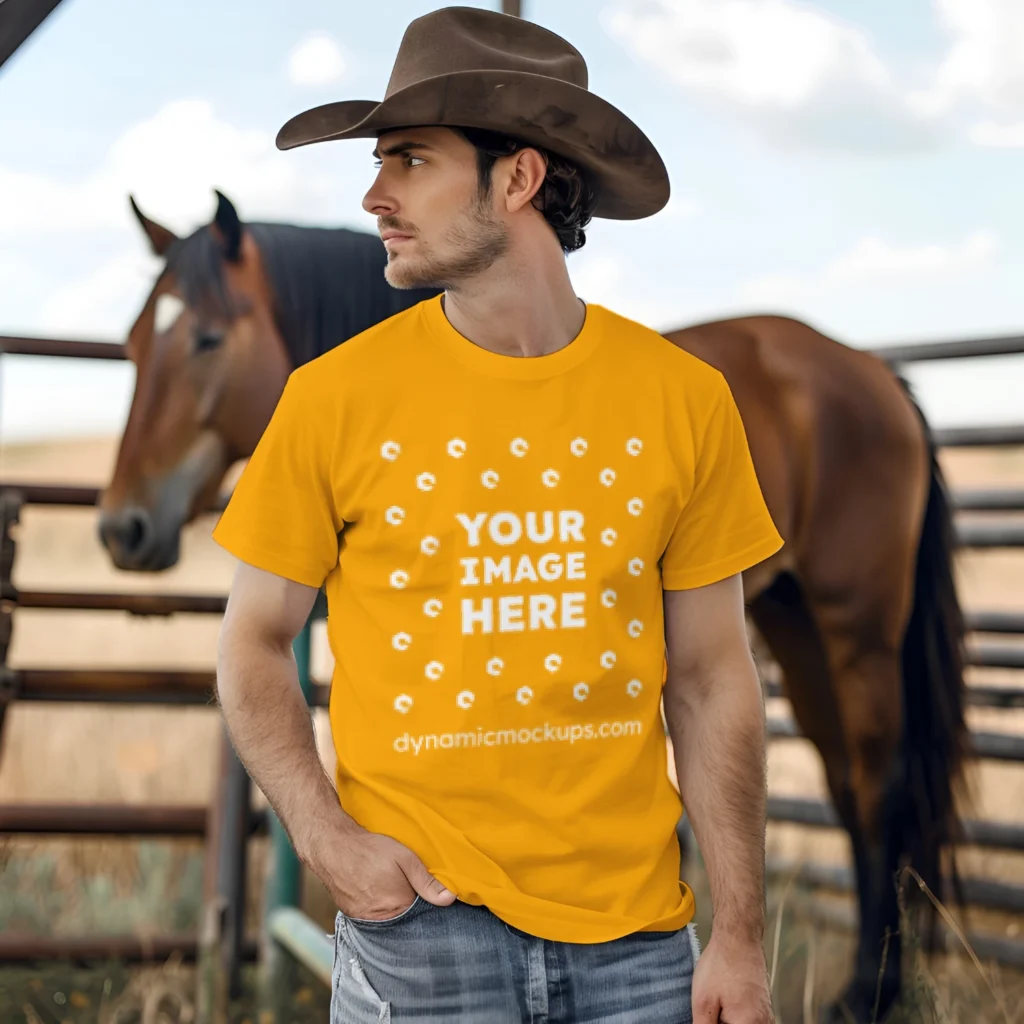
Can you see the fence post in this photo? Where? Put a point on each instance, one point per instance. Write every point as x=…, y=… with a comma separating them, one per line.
x=222, y=925
x=10, y=510
x=284, y=872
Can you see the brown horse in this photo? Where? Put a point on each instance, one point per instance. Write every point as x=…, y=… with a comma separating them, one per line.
x=858, y=608
x=234, y=310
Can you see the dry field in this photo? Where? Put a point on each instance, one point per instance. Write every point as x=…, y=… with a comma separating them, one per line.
x=69, y=753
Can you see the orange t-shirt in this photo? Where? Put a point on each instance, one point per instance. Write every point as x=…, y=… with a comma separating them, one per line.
x=495, y=533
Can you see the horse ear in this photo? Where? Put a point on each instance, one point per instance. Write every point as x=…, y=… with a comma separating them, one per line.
x=228, y=228
x=160, y=238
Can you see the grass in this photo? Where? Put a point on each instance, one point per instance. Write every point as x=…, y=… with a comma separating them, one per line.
x=114, y=994
x=156, y=887
x=809, y=962
x=100, y=887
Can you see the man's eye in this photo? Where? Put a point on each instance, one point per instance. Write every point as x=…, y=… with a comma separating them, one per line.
x=378, y=164
x=410, y=158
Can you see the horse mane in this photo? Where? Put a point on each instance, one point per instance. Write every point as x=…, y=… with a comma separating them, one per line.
x=328, y=283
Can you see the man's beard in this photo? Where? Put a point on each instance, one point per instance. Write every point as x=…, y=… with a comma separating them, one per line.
x=477, y=241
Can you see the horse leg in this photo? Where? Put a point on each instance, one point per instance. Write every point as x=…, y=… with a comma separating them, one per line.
x=867, y=687
x=784, y=619
x=847, y=703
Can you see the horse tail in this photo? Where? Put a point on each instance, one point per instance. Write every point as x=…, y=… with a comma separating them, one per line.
x=935, y=735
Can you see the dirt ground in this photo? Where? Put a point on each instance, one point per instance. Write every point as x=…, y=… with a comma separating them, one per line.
x=71, y=753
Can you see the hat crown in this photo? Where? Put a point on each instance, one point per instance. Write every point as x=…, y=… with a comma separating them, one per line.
x=456, y=39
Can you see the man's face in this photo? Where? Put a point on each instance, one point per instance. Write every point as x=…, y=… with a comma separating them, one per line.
x=437, y=227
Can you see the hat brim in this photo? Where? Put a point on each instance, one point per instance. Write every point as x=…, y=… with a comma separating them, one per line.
x=547, y=112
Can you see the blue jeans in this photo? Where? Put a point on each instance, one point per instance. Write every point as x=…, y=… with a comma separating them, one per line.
x=463, y=964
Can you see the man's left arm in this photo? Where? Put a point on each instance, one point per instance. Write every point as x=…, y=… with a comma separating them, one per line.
x=715, y=715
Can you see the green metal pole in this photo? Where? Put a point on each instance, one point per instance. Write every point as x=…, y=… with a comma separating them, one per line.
x=285, y=878
x=304, y=940
x=284, y=874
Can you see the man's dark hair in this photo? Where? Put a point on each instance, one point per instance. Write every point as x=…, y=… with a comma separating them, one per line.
x=566, y=198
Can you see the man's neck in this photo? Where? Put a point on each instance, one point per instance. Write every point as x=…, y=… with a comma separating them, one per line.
x=519, y=307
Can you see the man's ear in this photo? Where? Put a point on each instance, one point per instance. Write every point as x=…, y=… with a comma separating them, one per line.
x=529, y=168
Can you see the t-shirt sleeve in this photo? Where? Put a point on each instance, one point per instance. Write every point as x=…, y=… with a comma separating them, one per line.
x=282, y=514
x=725, y=526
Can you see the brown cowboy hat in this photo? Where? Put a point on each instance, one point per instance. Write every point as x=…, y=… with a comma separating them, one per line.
x=465, y=67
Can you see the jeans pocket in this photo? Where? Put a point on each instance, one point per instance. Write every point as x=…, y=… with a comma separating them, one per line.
x=691, y=931
x=418, y=904
x=337, y=930
x=353, y=999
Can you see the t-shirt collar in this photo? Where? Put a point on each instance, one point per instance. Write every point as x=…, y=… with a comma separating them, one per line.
x=494, y=364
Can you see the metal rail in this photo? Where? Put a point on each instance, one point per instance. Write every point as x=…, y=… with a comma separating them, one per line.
x=118, y=686
x=977, y=696
x=18, y=948
x=995, y=655
x=978, y=892
x=993, y=746
x=989, y=655
x=995, y=622
x=896, y=354
x=71, y=495
x=999, y=499
x=995, y=835
x=969, y=349
x=990, y=535
x=168, y=604
x=304, y=940
x=113, y=819
x=135, y=604
x=975, y=437
x=985, y=945
x=61, y=347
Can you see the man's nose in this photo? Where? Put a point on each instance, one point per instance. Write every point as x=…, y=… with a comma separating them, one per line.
x=378, y=202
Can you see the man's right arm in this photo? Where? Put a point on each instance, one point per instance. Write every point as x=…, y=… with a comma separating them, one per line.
x=266, y=713
x=270, y=725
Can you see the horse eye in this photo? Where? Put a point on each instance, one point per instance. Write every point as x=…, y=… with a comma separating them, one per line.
x=208, y=339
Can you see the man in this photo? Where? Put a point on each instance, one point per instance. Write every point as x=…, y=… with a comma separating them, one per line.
x=516, y=501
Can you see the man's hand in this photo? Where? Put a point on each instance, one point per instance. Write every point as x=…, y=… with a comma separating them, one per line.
x=730, y=985
x=372, y=876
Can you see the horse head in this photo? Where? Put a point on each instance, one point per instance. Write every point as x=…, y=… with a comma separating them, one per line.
x=210, y=366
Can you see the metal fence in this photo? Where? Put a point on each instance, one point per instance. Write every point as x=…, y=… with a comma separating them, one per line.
x=230, y=820
x=995, y=523
x=226, y=824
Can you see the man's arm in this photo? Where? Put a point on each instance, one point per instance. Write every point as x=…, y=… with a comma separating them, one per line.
x=264, y=708
x=715, y=715
x=271, y=727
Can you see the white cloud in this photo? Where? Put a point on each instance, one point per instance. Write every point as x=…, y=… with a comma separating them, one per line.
x=998, y=136
x=317, y=60
x=46, y=398
x=171, y=162
x=796, y=74
x=762, y=54
x=681, y=208
x=800, y=76
x=596, y=276
x=617, y=284
x=103, y=302
x=769, y=288
x=873, y=259
x=984, y=62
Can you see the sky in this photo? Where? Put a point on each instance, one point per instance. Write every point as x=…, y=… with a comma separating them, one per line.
x=857, y=164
